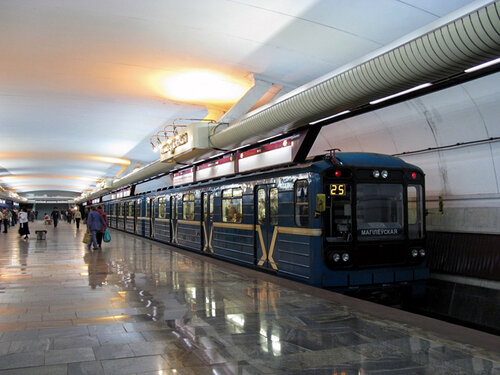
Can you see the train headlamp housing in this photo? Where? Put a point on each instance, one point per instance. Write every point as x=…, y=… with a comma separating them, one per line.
x=421, y=252
x=335, y=257
x=345, y=257
x=414, y=253
x=384, y=174
x=376, y=173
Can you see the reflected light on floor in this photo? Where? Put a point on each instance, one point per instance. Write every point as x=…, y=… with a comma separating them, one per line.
x=205, y=86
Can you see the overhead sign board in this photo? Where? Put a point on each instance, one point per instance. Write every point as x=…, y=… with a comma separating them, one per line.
x=214, y=169
x=188, y=143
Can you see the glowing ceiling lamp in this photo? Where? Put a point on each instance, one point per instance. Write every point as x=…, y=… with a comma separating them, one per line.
x=204, y=86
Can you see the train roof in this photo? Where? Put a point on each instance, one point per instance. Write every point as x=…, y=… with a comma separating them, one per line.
x=366, y=159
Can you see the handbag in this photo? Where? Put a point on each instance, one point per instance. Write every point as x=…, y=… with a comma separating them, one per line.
x=87, y=238
x=106, y=237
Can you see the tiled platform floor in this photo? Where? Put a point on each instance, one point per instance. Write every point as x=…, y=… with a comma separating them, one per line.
x=136, y=307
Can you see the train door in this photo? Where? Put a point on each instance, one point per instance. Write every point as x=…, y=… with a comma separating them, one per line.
x=266, y=221
x=207, y=211
x=173, y=218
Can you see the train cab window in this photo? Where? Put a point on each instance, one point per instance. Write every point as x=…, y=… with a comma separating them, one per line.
x=415, y=212
x=380, y=211
x=339, y=214
x=301, y=203
x=162, y=208
x=273, y=205
x=232, y=205
x=261, y=206
x=188, y=206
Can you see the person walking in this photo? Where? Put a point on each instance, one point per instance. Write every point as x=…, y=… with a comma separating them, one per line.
x=78, y=217
x=23, y=224
x=55, y=216
x=5, y=219
x=94, y=225
x=103, y=227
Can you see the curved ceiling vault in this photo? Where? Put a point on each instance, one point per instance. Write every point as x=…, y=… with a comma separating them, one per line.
x=80, y=82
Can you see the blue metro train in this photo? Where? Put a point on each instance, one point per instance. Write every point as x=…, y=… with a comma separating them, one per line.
x=353, y=221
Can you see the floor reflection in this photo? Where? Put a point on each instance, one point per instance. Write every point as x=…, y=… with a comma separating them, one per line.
x=98, y=269
x=140, y=301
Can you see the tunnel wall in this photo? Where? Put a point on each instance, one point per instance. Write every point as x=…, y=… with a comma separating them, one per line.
x=454, y=136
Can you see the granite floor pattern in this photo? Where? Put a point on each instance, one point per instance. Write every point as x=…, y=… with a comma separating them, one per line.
x=137, y=307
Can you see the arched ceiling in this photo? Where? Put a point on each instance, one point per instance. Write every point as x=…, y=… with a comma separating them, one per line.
x=83, y=85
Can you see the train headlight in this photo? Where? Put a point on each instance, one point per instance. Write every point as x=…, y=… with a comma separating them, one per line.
x=376, y=173
x=421, y=252
x=335, y=257
x=384, y=174
x=414, y=253
x=345, y=257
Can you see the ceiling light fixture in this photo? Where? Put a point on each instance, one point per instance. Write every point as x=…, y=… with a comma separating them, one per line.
x=330, y=117
x=481, y=66
x=419, y=87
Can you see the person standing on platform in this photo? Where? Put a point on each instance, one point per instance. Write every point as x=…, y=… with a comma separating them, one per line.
x=94, y=225
x=103, y=227
x=55, y=216
x=5, y=219
x=23, y=224
x=78, y=217
x=14, y=216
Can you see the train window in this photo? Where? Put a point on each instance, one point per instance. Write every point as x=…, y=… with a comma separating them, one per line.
x=162, y=208
x=208, y=205
x=130, y=212
x=232, y=205
x=261, y=206
x=138, y=207
x=120, y=209
x=211, y=208
x=301, y=203
x=188, y=206
x=273, y=204
x=379, y=211
x=415, y=212
x=173, y=207
x=147, y=207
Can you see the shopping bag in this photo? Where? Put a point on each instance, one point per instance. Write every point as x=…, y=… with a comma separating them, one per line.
x=106, y=237
x=87, y=238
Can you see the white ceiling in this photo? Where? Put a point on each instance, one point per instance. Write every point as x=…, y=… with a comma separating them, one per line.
x=82, y=79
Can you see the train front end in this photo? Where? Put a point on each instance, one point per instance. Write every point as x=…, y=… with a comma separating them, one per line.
x=374, y=223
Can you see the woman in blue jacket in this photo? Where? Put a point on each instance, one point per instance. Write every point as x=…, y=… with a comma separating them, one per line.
x=94, y=224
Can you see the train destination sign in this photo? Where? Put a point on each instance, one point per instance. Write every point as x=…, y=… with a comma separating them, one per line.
x=380, y=232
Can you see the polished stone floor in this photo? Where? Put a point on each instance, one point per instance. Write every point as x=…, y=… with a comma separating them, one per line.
x=137, y=307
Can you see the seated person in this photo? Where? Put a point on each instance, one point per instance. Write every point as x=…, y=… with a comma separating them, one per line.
x=47, y=219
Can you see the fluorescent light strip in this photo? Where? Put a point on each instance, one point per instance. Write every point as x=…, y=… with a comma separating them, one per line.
x=329, y=117
x=268, y=138
x=419, y=87
x=481, y=66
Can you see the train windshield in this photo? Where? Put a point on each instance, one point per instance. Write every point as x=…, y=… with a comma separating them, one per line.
x=380, y=211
